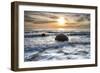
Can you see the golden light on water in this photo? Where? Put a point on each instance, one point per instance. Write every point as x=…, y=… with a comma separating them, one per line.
x=61, y=29
x=61, y=21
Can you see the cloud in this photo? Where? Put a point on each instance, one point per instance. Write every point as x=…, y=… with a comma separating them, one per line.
x=45, y=17
x=37, y=19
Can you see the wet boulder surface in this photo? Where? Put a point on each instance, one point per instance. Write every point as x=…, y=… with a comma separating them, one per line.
x=61, y=37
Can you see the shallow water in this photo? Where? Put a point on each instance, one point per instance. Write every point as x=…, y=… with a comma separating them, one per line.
x=38, y=48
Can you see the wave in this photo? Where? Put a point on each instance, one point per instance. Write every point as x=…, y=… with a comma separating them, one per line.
x=37, y=48
x=51, y=51
x=38, y=34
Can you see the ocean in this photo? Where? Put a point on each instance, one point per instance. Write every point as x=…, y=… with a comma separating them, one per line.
x=44, y=48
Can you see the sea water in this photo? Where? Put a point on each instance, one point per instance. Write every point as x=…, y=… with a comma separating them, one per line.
x=43, y=48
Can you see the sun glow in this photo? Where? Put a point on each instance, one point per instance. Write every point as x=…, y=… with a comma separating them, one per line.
x=61, y=21
x=61, y=29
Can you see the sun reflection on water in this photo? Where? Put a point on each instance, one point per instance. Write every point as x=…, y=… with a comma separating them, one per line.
x=61, y=29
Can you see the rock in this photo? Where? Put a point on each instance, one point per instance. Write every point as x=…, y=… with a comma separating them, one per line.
x=61, y=37
x=43, y=34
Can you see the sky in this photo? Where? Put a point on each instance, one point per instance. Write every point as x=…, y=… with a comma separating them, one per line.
x=56, y=20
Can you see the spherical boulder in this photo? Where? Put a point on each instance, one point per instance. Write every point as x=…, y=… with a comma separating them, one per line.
x=61, y=37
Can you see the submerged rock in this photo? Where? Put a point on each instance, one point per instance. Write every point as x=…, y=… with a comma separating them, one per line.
x=61, y=37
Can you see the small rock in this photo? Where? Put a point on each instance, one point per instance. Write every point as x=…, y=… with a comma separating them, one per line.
x=43, y=34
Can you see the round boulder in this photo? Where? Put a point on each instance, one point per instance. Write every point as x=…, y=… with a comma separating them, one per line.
x=61, y=37
x=43, y=34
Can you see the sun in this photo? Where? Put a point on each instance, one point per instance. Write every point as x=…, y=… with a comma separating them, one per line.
x=61, y=21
